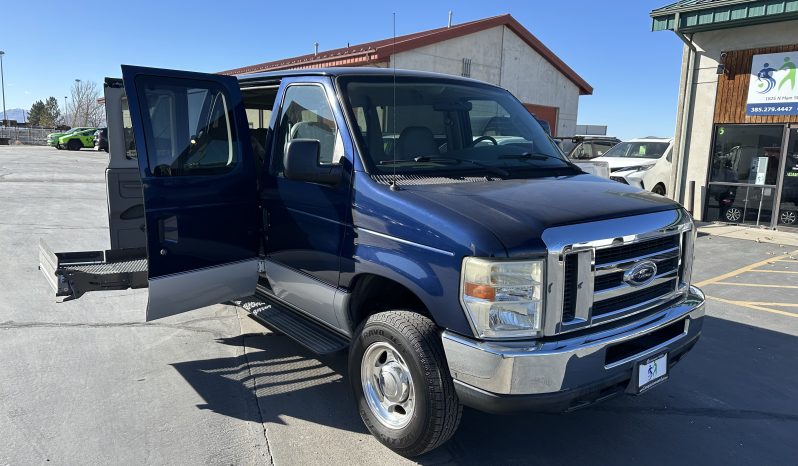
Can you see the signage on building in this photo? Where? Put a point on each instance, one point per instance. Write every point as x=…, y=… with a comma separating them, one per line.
x=773, y=87
x=759, y=168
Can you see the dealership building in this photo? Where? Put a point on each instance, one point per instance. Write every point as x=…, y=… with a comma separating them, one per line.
x=497, y=50
x=736, y=142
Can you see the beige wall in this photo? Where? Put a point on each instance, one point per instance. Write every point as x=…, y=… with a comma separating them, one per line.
x=698, y=134
x=499, y=56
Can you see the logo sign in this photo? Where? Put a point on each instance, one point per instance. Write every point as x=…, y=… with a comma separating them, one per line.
x=773, y=85
x=641, y=274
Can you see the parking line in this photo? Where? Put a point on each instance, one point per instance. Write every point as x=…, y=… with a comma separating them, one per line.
x=747, y=268
x=757, y=303
x=774, y=271
x=757, y=285
x=754, y=307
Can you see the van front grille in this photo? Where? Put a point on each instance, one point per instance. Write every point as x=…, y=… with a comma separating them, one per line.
x=570, y=284
x=635, y=250
x=614, y=296
x=632, y=299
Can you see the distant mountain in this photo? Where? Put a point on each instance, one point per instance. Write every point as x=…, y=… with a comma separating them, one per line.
x=18, y=114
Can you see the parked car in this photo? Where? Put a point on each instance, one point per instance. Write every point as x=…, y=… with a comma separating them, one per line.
x=78, y=139
x=101, y=139
x=52, y=138
x=587, y=147
x=469, y=272
x=644, y=163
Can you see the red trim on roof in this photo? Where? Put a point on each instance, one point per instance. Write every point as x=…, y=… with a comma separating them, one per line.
x=380, y=51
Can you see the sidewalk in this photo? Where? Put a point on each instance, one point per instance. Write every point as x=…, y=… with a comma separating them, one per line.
x=760, y=235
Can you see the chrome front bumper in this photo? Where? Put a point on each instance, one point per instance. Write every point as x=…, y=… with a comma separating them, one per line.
x=576, y=363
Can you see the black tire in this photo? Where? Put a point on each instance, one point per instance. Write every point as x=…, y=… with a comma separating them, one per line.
x=58, y=146
x=74, y=144
x=659, y=189
x=437, y=410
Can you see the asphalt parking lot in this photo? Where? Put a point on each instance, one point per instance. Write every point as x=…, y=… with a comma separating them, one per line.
x=88, y=382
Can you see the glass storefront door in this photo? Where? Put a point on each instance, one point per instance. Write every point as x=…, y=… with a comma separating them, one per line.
x=788, y=202
x=744, y=173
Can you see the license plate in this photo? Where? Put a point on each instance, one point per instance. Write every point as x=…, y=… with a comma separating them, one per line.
x=652, y=371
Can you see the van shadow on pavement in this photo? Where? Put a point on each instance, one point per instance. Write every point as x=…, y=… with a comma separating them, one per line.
x=730, y=401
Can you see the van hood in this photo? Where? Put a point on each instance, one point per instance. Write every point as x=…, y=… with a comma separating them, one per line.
x=518, y=211
x=618, y=163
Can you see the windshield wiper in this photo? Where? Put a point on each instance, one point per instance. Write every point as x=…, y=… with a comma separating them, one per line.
x=426, y=158
x=538, y=156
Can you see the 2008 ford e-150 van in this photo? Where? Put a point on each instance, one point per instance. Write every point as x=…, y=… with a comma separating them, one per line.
x=425, y=222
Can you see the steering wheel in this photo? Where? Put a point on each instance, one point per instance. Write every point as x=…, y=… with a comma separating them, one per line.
x=484, y=138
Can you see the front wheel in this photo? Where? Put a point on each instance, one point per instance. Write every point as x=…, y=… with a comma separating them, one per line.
x=401, y=381
x=74, y=144
x=659, y=189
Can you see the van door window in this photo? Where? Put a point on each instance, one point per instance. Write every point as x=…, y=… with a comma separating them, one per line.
x=306, y=114
x=190, y=131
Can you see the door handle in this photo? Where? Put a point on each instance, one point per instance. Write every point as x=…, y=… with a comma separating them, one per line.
x=167, y=230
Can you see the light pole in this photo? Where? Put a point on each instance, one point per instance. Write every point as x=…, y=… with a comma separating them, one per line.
x=3, y=85
x=77, y=104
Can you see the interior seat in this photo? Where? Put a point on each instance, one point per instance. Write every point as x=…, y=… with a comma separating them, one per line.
x=415, y=141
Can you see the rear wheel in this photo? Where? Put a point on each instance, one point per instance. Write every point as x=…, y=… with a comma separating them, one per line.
x=74, y=144
x=659, y=189
x=787, y=217
x=404, y=392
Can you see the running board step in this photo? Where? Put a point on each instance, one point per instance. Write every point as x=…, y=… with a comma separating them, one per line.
x=301, y=329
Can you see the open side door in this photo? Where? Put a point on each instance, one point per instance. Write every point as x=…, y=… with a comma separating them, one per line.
x=198, y=179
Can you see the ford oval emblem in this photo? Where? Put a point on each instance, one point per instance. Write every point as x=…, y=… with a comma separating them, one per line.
x=641, y=274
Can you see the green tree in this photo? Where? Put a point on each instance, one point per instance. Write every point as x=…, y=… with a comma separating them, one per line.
x=52, y=113
x=36, y=113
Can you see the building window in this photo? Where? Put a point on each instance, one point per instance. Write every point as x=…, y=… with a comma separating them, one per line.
x=466, y=68
x=743, y=173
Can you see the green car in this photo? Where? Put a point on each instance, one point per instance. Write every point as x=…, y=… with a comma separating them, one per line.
x=52, y=138
x=78, y=139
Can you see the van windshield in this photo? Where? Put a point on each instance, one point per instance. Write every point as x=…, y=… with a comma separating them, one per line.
x=432, y=125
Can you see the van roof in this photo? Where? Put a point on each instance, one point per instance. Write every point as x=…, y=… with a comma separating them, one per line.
x=351, y=71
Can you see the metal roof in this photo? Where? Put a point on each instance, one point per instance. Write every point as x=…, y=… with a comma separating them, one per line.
x=379, y=51
x=705, y=15
x=350, y=71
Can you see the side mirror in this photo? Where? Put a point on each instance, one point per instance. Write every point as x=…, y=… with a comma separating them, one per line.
x=301, y=163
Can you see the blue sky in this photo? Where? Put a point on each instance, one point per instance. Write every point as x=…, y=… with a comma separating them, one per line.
x=634, y=72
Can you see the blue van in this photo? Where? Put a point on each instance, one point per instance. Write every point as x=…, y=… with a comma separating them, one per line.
x=424, y=223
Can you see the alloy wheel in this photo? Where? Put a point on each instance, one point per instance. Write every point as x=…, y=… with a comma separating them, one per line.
x=734, y=214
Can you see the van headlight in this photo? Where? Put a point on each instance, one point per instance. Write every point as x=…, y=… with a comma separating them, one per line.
x=503, y=299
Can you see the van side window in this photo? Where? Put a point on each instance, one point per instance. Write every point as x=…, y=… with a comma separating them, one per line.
x=306, y=114
x=127, y=130
x=206, y=146
x=258, y=103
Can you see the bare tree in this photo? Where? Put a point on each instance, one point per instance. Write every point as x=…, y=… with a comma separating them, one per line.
x=83, y=109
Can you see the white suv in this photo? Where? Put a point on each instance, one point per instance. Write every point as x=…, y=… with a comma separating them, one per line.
x=644, y=163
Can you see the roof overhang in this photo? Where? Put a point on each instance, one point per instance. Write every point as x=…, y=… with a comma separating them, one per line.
x=689, y=16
